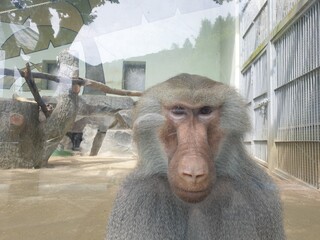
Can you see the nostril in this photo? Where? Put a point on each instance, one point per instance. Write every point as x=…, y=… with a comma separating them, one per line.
x=187, y=175
x=194, y=177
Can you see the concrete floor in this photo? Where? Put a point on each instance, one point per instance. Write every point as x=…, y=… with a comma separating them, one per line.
x=72, y=199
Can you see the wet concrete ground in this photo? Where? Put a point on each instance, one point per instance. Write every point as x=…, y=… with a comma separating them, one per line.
x=72, y=199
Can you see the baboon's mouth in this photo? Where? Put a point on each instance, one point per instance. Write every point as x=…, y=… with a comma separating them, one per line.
x=191, y=196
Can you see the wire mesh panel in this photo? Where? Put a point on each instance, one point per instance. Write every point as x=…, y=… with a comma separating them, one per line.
x=256, y=33
x=246, y=92
x=260, y=138
x=254, y=88
x=261, y=119
x=297, y=95
x=261, y=75
x=283, y=8
x=300, y=159
x=298, y=50
x=246, y=86
x=261, y=150
x=249, y=13
x=298, y=109
x=260, y=111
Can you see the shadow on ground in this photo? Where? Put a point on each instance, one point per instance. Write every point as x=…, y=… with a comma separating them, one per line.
x=72, y=198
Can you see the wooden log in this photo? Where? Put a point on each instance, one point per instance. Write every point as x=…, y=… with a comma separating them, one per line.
x=80, y=81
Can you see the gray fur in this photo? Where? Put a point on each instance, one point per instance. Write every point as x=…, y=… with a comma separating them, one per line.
x=244, y=203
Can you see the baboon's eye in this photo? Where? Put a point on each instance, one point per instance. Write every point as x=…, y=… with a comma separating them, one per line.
x=178, y=110
x=206, y=110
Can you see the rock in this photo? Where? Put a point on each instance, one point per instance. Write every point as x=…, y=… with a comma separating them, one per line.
x=124, y=118
x=117, y=141
x=99, y=113
x=90, y=104
x=89, y=132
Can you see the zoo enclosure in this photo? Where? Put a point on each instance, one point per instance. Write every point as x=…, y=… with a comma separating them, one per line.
x=280, y=79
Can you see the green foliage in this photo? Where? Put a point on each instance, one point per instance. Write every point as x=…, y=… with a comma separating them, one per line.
x=62, y=153
x=215, y=45
x=211, y=54
x=187, y=44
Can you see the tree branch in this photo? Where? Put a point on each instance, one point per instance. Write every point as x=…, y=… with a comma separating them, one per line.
x=34, y=90
x=80, y=81
x=104, y=88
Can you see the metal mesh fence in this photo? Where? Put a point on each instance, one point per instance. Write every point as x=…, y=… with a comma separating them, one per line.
x=297, y=101
x=283, y=79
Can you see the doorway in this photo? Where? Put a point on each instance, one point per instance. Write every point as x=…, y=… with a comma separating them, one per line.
x=134, y=74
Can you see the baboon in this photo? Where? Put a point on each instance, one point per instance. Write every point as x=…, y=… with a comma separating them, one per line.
x=76, y=139
x=194, y=179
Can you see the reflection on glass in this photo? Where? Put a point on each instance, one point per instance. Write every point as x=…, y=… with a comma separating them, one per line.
x=167, y=37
